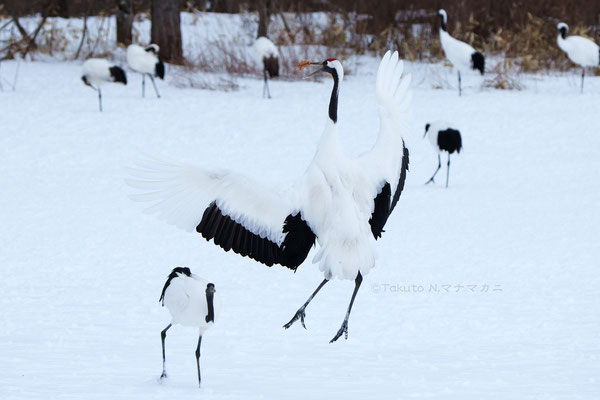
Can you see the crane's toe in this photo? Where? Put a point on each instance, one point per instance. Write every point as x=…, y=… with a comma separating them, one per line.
x=300, y=314
x=343, y=330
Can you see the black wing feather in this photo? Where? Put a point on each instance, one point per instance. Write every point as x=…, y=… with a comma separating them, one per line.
x=384, y=202
x=231, y=235
x=271, y=65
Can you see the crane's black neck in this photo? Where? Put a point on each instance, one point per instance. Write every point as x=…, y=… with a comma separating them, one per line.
x=174, y=274
x=333, y=103
x=210, y=290
x=443, y=23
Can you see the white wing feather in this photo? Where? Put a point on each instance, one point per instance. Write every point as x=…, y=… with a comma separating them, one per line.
x=176, y=298
x=181, y=193
x=141, y=60
x=458, y=52
x=383, y=162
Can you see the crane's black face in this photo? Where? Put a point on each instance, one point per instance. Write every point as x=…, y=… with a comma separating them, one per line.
x=426, y=129
x=325, y=67
x=563, y=32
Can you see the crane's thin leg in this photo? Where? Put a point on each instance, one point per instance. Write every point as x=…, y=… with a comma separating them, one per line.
x=582, y=76
x=344, y=327
x=100, y=99
x=459, y=84
x=448, y=170
x=154, y=84
x=163, y=335
x=300, y=313
x=198, y=359
x=266, y=85
x=436, y=171
x=143, y=85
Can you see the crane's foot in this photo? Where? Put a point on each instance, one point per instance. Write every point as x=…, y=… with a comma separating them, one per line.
x=343, y=330
x=429, y=181
x=163, y=375
x=299, y=315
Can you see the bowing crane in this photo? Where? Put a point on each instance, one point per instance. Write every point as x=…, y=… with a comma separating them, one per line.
x=146, y=62
x=443, y=138
x=191, y=301
x=98, y=71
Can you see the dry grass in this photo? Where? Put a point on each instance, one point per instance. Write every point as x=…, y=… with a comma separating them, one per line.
x=504, y=76
x=189, y=77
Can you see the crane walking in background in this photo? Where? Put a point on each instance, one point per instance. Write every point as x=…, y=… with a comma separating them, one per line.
x=266, y=55
x=462, y=56
x=443, y=138
x=582, y=51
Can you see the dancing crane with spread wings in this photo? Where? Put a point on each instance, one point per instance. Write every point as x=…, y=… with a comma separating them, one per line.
x=343, y=203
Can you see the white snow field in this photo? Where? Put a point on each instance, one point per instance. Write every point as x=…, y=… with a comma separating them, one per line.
x=515, y=236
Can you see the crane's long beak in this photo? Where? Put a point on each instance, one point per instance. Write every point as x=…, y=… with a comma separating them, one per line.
x=315, y=72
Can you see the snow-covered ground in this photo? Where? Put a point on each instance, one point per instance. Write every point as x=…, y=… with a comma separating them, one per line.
x=515, y=237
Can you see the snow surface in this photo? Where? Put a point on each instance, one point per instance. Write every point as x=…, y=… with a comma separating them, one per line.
x=83, y=267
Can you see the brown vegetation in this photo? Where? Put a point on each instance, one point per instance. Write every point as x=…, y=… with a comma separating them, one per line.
x=523, y=31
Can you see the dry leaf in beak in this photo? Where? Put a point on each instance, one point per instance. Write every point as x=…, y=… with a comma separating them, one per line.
x=303, y=64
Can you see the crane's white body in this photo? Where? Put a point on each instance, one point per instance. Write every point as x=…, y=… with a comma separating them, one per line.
x=97, y=71
x=580, y=50
x=459, y=53
x=185, y=298
x=140, y=60
x=261, y=48
x=335, y=196
x=432, y=133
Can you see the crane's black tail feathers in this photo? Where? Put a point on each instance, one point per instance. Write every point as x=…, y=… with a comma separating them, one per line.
x=159, y=70
x=118, y=74
x=478, y=61
x=450, y=140
x=271, y=65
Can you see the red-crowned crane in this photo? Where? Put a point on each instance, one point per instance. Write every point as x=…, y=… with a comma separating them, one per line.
x=97, y=71
x=341, y=202
x=192, y=301
x=582, y=51
x=462, y=56
x=146, y=62
x=266, y=55
x=443, y=138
